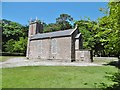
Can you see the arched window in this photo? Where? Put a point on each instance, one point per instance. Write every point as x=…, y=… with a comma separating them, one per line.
x=53, y=46
x=40, y=47
x=31, y=29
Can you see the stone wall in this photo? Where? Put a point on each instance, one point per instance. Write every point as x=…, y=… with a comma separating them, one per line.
x=83, y=55
x=52, y=48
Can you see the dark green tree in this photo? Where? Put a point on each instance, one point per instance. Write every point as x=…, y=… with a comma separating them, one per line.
x=91, y=40
x=111, y=23
x=52, y=27
x=64, y=20
x=13, y=34
x=110, y=29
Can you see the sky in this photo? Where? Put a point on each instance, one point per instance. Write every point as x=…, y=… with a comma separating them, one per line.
x=21, y=12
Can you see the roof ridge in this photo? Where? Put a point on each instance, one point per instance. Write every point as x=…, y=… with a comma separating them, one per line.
x=67, y=32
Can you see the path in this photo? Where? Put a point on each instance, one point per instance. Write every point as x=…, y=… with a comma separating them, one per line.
x=22, y=61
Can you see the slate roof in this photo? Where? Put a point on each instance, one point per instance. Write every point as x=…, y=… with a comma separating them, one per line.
x=53, y=34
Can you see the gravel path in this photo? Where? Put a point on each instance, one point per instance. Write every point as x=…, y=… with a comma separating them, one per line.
x=22, y=61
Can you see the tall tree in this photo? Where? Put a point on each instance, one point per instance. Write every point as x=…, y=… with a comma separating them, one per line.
x=12, y=34
x=89, y=30
x=64, y=20
x=111, y=23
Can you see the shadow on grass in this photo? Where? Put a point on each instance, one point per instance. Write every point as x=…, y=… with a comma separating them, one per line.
x=115, y=77
x=114, y=63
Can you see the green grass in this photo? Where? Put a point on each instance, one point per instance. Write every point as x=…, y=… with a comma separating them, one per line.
x=56, y=77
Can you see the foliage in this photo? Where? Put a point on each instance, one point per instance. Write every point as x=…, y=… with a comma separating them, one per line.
x=13, y=34
x=111, y=25
x=11, y=30
x=91, y=39
x=21, y=45
x=103, y=36
x=9, y=46
x=64, y=20
x=114, y=78
x=62, y=23
x=16, y=46
x=52, y=27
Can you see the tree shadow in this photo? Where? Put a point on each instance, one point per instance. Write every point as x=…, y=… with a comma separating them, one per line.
x=114, y=63
x=115, y=77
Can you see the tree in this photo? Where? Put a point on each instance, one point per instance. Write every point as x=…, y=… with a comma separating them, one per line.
x=9, y=46
x=52, y=27
x=111, y=24
x=103, y=36
x=11, y=30
x=20, y=46
x=64, y=20
x=62, y=23
x=13, y=34
x=91, y=40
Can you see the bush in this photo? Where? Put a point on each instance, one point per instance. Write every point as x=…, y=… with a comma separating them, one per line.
x=9, y=46
x=20, y=46
x=16, y=46
x=116, y=79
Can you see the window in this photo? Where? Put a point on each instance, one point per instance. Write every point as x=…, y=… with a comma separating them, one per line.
x=40, y=46
x=31, y=33
x=77, y=44
x=54, y=46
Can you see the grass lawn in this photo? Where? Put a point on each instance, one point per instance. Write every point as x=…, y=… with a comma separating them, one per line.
x=56, y=76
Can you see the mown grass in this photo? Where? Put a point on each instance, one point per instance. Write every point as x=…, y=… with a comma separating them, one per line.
x=56, y=76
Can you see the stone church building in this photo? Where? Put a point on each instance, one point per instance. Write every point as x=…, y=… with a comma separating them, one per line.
x=63, y=45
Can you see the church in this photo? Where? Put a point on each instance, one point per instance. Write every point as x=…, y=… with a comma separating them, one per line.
x=63, y=45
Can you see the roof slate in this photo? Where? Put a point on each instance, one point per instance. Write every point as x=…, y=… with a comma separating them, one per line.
x=53, y=34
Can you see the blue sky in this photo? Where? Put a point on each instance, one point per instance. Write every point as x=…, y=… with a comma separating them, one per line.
x=21, y=12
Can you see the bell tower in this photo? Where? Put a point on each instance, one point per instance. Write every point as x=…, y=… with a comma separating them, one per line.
x=35, y=26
